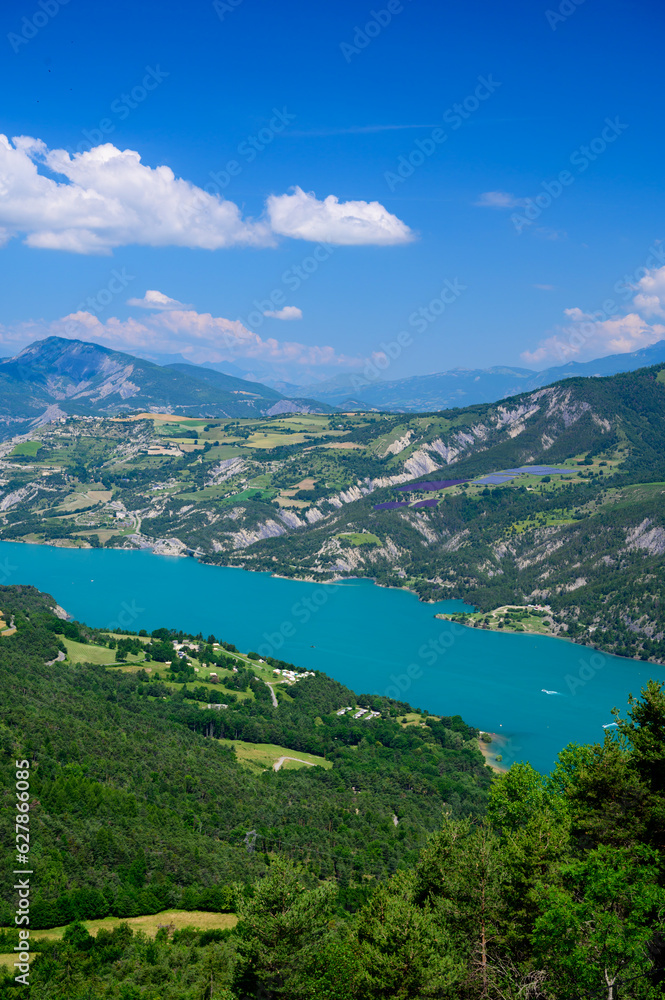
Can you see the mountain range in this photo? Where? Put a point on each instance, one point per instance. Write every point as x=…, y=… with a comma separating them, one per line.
x=60, y=377
x=461, y=386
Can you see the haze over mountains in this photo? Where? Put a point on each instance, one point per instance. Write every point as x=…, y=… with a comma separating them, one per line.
x=461, y=386
x=57, y=377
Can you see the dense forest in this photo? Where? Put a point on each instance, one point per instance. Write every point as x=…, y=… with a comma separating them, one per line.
x=129, y=774
x=405, y=872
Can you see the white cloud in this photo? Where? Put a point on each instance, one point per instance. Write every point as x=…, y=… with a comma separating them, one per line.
x=94, y=201
x=157, y=301
x=587, y=336
x=108, y=198
x=197, y=336
x=351, y=223
x=595, y=335
x=650, y=297
x=288, y=312
x=499, y=199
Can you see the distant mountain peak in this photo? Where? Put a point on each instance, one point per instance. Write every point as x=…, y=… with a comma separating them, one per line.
x=83, y=378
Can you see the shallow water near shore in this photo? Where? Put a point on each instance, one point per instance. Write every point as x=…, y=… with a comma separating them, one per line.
x=538, y=692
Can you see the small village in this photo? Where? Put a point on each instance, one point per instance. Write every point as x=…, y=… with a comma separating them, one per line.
x=360, y=713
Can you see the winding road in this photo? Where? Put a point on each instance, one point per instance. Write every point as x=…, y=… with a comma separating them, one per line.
x=274, y=698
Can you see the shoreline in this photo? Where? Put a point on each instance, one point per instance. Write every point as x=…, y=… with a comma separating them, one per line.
x=506, y=630
x=154, y=549
x=489, y=755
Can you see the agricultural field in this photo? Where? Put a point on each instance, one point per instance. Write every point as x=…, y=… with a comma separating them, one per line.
x=79, y=652
x=26, y=449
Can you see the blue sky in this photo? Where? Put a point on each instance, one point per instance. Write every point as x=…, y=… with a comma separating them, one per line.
x=564, y=90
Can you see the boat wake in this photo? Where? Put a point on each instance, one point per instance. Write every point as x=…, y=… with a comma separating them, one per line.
x=545, y=691
x=611, y=725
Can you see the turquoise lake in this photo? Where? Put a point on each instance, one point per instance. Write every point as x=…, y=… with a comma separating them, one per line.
x=372, y=639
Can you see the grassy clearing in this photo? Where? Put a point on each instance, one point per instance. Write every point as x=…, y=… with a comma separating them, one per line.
x=627, y=496
x=357, y=538
x=312, y=422
x=547, y=520
x=151, y=923
x=7, y=961
x=219, y=452
x=262, y=756
x=79, y=652
x=27, y=449
x=103, y=533
x=412, y=719
x=75, y=501
x=264, y=439
x=134, y=664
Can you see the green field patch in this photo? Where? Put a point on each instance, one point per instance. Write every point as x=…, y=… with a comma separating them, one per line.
x=357, y=538
x=413, y=719
x=7, y=961
x=263, y=756
x=310, y=422
x=252, y=494
x=272, y=440
x=80, y=652
x=544, y=520
x=27, y=449
x=219, y=452
x=628, y=496
x=149, y=924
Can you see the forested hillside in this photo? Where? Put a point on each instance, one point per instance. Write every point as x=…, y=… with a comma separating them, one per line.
x=154, y=811
x=391, y=876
